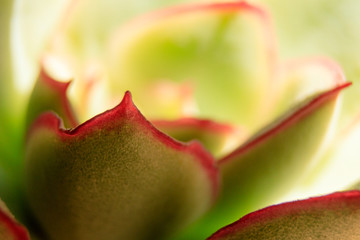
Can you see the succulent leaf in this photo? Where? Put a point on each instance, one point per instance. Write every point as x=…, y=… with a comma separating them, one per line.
x=304, y=77
x=335, y=216
x=325, y=27
x=269, y=164
x=9, y=228
x=115, y=177
x=50, y=95
x=214, y=136
x=216, y=48
x=338, y=167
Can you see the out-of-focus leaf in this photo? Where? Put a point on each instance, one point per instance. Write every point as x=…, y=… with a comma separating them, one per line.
x=325, y=27
x=5, y=59
x=268, y=165
x=335, y=216
x=32, y=25
x=50, y=95
x=82, y=38
x=273, y=161
x=115, y=177
x=9, y=228
x=214, y=136
x=88, y=25
x=338, y=169
x=301, y=78
x=11, y=114
x=223, y=51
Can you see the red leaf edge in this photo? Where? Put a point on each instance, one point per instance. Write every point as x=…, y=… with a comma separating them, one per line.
x=234, y=6
x=17, y=230
x=205, y=125
x=61, y=89
x=283, y=209
x=127, y=109
x=195, y=7
x=289, y=121
x=334, y=67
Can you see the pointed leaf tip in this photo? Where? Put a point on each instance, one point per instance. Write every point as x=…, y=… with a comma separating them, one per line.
x=303, y=78
x=302, y=112
x=50, y=95
x=119, y=166
x=127, y=99
x=61, y=87
x=273, y=161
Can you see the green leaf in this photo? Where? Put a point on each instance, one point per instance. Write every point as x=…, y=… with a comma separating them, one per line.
x=214, y=136
x=11, y=116
x=304, y=77
x=87, y=26
x=270, y=163
x=274, y=160
x=50, y=95
x=325, y=27
x=9, y=228
x=81, y=41
x=223, y=51
x=334, y=216
x=337, y=168
x=115, y=177
x=6, y=87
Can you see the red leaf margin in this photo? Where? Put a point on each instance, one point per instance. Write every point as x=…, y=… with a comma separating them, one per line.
x=61, y=88
x=231, y=6
x=287, y=122
x=17, y=230
x=331, y=65
x=205, y=125
x=280, y=210
x=127, y=109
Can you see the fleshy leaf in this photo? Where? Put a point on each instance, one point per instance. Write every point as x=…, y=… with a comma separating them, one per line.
x=115, y=177
x=50, y=95
x=259, y=171
x=269, y=164
x=6, y=76
x=9, y=228
x=214, y=136
x=334, y=216
x=216, y=48
x=82, y=38
x=11, y=115
x=87, y=25
x=338, y=167
x=301, y=78
x=323, y=27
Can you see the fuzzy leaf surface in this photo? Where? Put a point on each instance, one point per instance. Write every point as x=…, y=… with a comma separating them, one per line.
x=335, y=216
x=115, y=177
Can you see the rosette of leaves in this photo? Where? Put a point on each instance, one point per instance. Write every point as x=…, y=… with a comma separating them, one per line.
x=218, y=128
